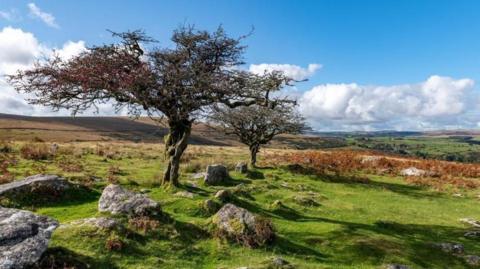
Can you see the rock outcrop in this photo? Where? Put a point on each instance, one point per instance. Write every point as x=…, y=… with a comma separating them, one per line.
x=117, y=200
x=216, y=174
x=24, y=237
x=233, y=222
x=39, y=184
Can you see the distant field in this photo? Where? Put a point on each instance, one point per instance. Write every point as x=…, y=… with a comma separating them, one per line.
x=449, y=148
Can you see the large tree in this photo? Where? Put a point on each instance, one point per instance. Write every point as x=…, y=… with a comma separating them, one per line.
x=178, y=82
x=257, y=125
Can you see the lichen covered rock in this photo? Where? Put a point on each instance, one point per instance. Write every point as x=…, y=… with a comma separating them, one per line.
x=216, y=174
x=24, y=237
x=236, y=223
x=117, y=200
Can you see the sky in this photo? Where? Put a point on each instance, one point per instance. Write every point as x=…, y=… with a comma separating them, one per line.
x=370, y=65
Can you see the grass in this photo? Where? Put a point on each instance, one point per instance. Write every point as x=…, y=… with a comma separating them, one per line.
x=351, y=224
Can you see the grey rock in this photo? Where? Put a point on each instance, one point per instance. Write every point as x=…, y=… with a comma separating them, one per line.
x=223, y=195
x=216, y=174
x=413, y=172
x=471, y=222
x=40, y=184
x=452, y=248
x=241, y=167
x=472, y=234
x=185, y=194
x=211, y=206
x=198, y=175
x=396, y=266
x=100, y=222
x=24, y=237
x=280, y=263
x=238, y=223
x=473, y=260
x=117, y=200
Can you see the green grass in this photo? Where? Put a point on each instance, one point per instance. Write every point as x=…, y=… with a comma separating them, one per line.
x=352, y=225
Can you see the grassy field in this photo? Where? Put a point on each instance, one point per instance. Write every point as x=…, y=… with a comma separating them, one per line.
x=451, y=148
x=360, y=220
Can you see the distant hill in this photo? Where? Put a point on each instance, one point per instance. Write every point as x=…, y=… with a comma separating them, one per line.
x=99, y=128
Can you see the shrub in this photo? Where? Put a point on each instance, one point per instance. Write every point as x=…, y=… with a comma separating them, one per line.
x=114, y=243
x=35, y=152
x=143, y=223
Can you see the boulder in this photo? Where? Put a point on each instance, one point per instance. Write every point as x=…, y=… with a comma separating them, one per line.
x=233, y=222
x=413, y=172
x=45, y=185
x=24, y=237
x=452, y=248
x=223, y=195
x=241, y=167
x=216, y=174
x=117, y=200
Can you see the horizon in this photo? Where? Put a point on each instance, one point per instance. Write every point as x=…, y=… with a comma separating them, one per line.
x=371, y=65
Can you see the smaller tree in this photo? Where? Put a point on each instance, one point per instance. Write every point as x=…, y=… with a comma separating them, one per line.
x=257, y=125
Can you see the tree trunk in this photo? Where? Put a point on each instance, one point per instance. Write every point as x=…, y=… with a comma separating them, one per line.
x=253, y=154
x=175, y=144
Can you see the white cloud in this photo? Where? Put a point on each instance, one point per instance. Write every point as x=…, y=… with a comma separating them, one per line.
x=18, y=51
x=293, y=71
x=10, y=15
x=47, y=18
x=438, y=102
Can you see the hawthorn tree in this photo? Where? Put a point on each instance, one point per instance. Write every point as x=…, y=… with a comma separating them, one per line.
x=178, y=82
x=257, y=125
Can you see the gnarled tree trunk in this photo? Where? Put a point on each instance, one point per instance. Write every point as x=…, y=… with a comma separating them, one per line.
x=175, y=144
x=253, y=154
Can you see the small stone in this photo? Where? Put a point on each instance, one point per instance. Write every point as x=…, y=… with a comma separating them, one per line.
x=185, y=194
x=223, y=195
x=211, y=206
x=305, y=201
x=413, y=172
x=280, y=263
x=144, y=190
x=472, y=234
x=453, y=248
x=472, y=222
x=216, y=174
x=396, y=266
x=198, y=175
x=459, y=195
x=241, y=167
x=473, y=260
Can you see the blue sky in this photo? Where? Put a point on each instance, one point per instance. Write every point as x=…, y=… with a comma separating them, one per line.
x=409, y=55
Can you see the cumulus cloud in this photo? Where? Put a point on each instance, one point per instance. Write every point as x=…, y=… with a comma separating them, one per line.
x=438, y=102
x=293, y=71
x=47, y=18
x=18, y=51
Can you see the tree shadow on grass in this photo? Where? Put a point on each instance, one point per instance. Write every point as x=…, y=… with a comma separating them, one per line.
x=284, y=246
x=385, y=240
x=75, y=195
x=59, y=258
x=363, y=182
